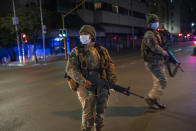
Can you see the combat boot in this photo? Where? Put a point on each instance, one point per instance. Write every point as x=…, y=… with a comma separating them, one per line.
x=161, y=106
x=98, y=128
x=154, y=104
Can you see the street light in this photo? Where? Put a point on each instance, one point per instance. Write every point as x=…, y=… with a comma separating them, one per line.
x=192, y=24
x=16, y=22
x=43, y=30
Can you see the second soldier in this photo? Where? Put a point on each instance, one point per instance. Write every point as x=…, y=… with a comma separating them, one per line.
x=154, y=55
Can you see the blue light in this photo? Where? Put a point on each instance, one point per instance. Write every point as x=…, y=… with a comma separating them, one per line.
x=68, y=49
x=60, y=35
x=58, y=39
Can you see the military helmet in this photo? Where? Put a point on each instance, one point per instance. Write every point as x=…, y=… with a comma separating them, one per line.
x=150, y=18
x=88, y=29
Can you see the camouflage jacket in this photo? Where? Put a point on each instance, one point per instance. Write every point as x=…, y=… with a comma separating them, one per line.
x=151, y=49
x=93, y=62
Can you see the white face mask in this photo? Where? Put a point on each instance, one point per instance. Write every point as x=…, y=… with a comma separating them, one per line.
x=85, y=39
x=155, y=25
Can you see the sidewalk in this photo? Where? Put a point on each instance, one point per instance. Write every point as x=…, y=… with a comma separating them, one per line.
x=61, y=57
x=33, y=63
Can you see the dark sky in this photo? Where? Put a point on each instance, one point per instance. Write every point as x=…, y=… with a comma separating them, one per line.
x=188, y=6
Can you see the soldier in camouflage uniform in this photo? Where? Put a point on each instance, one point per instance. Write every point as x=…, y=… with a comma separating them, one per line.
x=154, y=55
x=87, y=60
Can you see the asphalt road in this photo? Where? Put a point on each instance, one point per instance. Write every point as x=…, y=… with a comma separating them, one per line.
x=38, y=99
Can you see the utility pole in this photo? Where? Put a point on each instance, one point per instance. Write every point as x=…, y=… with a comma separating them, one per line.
x=63, y=23
x=43, y=30
x=16, y=22
x=132, y=28
x=64, y=38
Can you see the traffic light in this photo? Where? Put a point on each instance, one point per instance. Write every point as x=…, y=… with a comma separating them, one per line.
x=131, y=38
x=63, y=33
x=24, y=38
x=115, y=37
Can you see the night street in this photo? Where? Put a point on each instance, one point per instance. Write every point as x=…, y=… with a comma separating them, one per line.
x=37, y=98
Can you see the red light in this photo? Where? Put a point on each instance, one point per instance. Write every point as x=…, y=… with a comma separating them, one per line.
x=180, y=34
x=131, y=38
x=24, y=36
x=158, y=29
x=115, y=37
x=26, y=41
x=194, y=42
x=188, y=35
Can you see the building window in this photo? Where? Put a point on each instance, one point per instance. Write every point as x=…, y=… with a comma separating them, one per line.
x=172, y=28
x=137, y=14
x=106, y=7
x=123, y=11
x=97, y=5
x=172, y=21
x=115, y=9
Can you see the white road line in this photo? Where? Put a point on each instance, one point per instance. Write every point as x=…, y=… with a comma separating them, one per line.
x=178, y=50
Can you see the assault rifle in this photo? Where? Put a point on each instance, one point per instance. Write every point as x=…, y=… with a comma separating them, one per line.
x=100, y=83
x=172, y=59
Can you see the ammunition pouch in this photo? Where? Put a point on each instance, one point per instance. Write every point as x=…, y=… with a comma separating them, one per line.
x=72, y=84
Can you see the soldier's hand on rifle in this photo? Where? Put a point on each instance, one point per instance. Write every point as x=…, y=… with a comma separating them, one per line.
x=112, y=90
x=165, y=54
x=88, y=84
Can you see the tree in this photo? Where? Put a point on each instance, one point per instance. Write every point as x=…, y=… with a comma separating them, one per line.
x=29, y=23
x=7, y=30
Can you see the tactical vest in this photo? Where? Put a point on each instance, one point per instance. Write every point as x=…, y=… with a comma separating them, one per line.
x=83, y=65
x=104, y=61
x=146, y=51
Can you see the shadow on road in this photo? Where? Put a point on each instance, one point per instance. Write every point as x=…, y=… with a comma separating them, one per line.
x=127, y=111
x=112, y=111
x=180, y=116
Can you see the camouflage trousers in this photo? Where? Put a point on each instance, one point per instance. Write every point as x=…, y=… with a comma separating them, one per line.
x=93, y=108
x=159, y=79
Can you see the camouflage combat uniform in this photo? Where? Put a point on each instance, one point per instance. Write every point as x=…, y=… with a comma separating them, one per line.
x=93, y=104
x=154, y=61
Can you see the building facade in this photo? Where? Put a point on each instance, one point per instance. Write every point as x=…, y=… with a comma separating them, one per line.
x=169, y=12
x=118, y=22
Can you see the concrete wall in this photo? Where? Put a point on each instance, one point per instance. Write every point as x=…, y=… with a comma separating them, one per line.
x=137, y=6
x=109, y=19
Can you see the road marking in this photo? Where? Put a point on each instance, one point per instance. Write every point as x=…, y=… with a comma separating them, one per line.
x=178, y=50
